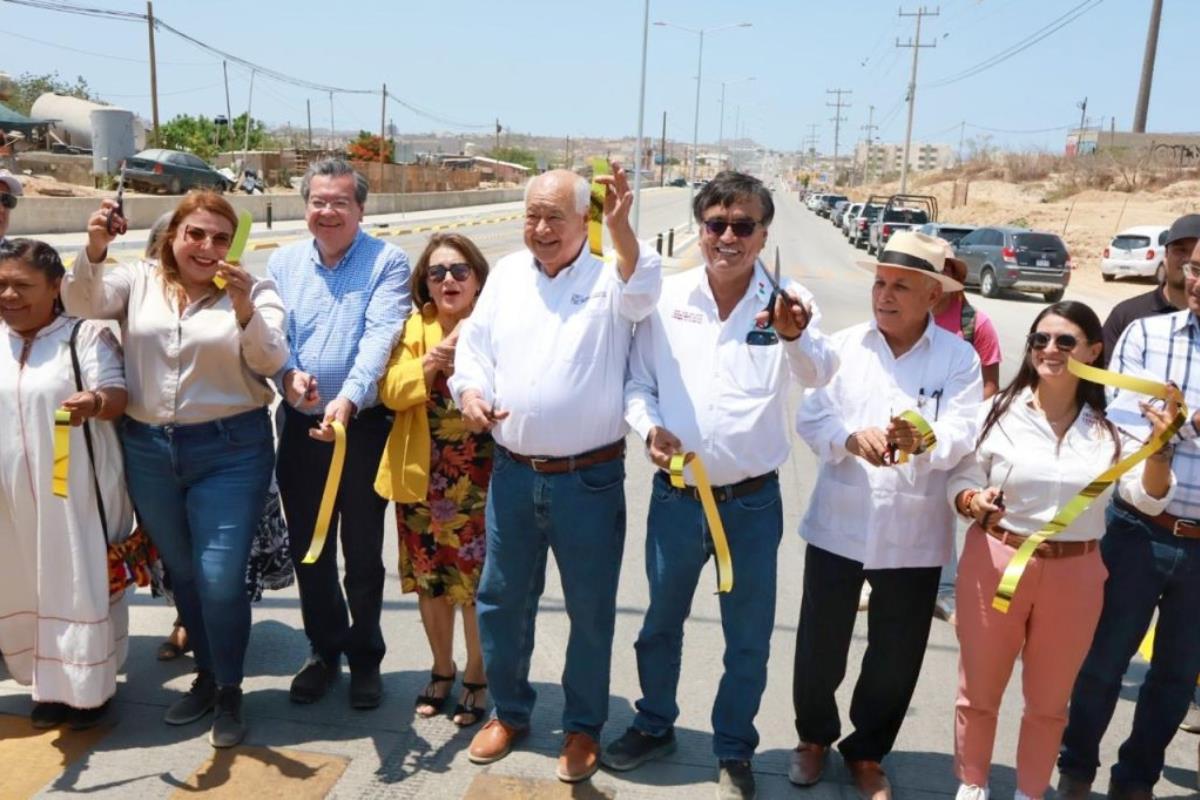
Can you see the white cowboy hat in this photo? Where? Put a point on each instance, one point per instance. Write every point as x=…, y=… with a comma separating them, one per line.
x=10, y=182
x=917, y=252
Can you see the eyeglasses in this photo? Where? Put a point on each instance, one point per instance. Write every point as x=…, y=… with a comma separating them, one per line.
x=1063, y=342
x=199, y=235
x=341, y=206
x=1191, y=269
x=459, y=271
x=8, y=200
x=741, y=228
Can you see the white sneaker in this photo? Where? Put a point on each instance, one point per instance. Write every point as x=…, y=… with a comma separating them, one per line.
x=968, y=791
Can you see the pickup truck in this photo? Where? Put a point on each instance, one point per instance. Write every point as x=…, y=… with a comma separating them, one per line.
x=900, y=212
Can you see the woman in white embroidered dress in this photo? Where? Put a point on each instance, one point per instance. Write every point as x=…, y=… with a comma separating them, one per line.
x=60, y=632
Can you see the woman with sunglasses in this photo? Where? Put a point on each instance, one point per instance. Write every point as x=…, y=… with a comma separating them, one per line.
x=196, y=436
x=437, y=472
x=1042, y=440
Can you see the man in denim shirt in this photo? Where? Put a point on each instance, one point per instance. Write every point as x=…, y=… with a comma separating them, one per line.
x=347, y=297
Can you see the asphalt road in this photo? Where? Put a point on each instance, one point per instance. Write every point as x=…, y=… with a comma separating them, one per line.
x=392, y=754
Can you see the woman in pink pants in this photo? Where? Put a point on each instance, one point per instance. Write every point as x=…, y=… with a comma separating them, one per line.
x=1042, y=440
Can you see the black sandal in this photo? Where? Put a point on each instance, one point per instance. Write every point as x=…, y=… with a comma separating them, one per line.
x=427, y=698
x=476, y=712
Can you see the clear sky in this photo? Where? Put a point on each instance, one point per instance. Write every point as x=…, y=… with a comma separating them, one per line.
x=562, y=67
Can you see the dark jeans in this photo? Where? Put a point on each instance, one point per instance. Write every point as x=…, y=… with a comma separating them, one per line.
x=1148, y=568
x=358, y=516
x=678, y=545
x=580, y=516
x=200, y=491
x=898, y=623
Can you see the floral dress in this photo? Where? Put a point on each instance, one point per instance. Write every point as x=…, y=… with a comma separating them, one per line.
x=442, y=540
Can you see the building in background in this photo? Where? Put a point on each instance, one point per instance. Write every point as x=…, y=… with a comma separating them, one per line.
x=885, y=159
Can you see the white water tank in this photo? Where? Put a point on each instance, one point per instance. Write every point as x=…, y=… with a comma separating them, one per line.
x=72, y=119
x=112, y=139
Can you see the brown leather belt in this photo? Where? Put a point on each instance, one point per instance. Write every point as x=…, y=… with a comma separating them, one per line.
x=555, y=465
x=1183, y=527
x=1050, y=549
x=729, y=491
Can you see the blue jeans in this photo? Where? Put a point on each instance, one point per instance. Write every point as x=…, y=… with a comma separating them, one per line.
x=580, y=516
x=678, y=544
x=1148, y=568
x=200, y=491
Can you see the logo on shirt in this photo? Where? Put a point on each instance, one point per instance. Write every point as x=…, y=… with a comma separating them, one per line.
x=687, y=316
x=580, y=299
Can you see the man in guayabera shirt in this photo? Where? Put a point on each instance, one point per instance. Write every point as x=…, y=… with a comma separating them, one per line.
x=541, y=364
x=347, y=298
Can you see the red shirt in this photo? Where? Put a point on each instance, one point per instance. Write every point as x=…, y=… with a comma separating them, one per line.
x=986, y=342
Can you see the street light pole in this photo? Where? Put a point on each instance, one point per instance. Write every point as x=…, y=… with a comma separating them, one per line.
x=637, y=153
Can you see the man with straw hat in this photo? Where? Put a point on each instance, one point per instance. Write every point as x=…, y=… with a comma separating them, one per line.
x=896, y=418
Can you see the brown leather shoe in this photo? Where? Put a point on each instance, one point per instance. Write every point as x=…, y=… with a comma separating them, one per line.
x=494, y=741
x=579, y=758
x=1072, y=788
x=807, y=763
x=869, y=780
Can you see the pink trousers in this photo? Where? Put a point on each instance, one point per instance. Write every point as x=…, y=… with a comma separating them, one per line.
x=1049, y=625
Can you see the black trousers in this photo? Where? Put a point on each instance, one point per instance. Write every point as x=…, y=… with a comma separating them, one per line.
x=301, y=468
x=898, y=622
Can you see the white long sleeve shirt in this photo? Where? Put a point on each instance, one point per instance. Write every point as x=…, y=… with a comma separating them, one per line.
x=1046, y=473
x=897, y=516
x=693, y=374
x=552, y=351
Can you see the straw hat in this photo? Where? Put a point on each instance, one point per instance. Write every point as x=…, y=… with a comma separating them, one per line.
x=955, y=267
x=917, y=252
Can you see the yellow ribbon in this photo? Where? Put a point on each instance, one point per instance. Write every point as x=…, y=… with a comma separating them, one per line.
x=928, y=439
x=596, y=208
x=1146, y=648
x=62, y=451
x=1076, y=505
x=709, y=504
x=329, y=496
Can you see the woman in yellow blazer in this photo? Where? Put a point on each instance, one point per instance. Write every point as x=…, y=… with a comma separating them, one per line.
x=437, y=472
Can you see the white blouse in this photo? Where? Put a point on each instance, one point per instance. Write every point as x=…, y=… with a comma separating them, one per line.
x=1046, y=473
x=183, y=368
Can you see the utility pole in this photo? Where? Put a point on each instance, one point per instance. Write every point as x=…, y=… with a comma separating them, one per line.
x=154, y=71
x=810, y=142
x=1082, y=106
x=308, y=109
x=382, y=132
x=870, y=128
x=962, y=134
x=249, y=102
x=1143, y=98
x=662, y=154
x=837, y=119
x=228, y=105
x=916, y=46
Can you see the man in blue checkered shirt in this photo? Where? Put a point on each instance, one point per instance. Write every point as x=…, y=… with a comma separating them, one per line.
x=347, y=297
x=1153, y=565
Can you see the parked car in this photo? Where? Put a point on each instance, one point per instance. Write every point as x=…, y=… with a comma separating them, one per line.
x=814, y=200
x=677, y=182
x=1137, y=251
x=172, y=171
x=848, y=216
x=835, y=214
x=1016, y=258
x=900, y=212
x=861, y=228
x=946, y=230
x=828, y=201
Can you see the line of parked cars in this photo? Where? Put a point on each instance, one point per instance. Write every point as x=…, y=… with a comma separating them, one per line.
x=998, y=257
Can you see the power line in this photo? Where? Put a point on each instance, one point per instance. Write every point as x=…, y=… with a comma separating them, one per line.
x=109, y=56
x=915, y=45
x=1046, y=30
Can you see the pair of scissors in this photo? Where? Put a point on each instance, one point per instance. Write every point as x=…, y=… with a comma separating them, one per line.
x=766, y=335
x=999, y=501
x=115, y=222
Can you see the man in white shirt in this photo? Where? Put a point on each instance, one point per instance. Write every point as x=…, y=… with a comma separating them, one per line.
x=10, y=190
x=697, y=384
x=541, y=363
x=878, y=511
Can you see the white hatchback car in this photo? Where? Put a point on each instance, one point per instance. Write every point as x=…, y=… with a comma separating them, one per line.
x=1136, y=252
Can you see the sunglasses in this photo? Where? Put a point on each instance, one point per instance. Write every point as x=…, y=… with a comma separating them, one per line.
x=1191, y=269
x=8, y=200
x=199, y=235
x=459, y=271
x=741, y=228
x=1063, y=342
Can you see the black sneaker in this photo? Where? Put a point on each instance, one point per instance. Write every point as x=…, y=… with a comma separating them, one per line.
x=49, y=715
x=314, y=679
x=196, y=703
x=80, y=719
x=227, y=728
x=366, y=687
x=635, y=748
x=736, y=781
